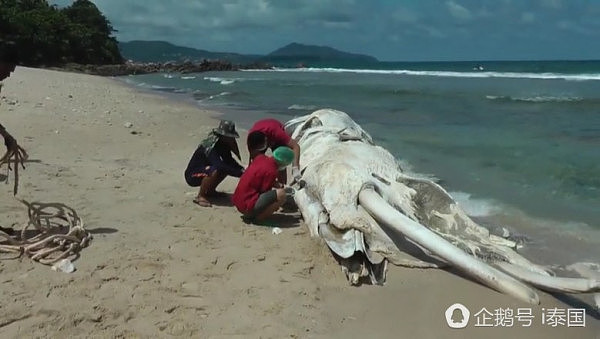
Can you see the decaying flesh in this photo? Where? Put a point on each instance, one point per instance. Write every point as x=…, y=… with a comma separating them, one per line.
x=370, y=211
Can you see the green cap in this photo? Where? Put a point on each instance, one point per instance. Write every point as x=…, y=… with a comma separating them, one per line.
x=283, y=155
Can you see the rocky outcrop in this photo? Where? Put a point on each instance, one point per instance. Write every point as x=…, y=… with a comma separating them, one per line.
x=133, y=68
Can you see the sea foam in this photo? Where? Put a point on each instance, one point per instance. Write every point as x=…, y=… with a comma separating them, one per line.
x=475, y=207
x=454, y=74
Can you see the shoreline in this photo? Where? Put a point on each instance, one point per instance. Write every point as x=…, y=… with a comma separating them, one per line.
x=161, y=266
x=542, y=241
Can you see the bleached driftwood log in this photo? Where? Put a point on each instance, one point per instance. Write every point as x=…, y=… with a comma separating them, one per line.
x=369, y=211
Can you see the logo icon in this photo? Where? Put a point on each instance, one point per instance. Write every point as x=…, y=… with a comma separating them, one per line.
x=457, y=316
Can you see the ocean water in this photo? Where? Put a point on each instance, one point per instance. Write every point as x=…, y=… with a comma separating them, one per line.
x=516, y=143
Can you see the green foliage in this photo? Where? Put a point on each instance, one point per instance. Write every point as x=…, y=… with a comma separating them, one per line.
x=34, y=33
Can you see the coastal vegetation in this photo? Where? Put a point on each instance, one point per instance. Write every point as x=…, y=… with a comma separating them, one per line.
x=80, y=38
x=35, y=33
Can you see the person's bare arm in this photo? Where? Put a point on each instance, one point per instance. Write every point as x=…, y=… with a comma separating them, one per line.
x=296, y=148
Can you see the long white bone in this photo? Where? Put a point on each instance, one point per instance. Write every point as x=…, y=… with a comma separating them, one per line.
x=497, y=280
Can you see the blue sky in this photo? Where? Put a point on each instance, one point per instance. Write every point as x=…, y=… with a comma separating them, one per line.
x=402, y=30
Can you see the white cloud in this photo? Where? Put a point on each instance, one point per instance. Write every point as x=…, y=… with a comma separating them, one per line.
x=552, y=4
x=567, y=25
x=260, y=26
x=433, y=32
x=403, y=15
x=527, y=17
x=458, y=11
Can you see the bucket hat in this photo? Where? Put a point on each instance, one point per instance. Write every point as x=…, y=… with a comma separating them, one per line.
x=227, y=129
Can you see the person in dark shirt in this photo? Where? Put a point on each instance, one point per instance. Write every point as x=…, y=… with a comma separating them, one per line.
x=259, y=193
x=212, y=162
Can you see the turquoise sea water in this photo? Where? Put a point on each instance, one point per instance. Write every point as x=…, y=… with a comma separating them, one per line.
x=506, y=138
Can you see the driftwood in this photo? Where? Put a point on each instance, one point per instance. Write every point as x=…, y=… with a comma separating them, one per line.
x=15, y=154
x=54, y=232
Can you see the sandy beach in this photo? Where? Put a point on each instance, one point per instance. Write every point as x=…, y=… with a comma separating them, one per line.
x=161, y=266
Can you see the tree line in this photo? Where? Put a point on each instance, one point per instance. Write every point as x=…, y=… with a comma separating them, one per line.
x=35, y=33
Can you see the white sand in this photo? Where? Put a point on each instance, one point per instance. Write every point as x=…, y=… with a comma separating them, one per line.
x=160, y=266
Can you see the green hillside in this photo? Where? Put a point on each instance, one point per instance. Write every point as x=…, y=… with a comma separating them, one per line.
x=293, y=54
x=162, y=51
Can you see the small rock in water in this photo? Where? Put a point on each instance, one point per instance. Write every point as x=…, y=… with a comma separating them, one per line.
x=128, y=124
x=276, y=230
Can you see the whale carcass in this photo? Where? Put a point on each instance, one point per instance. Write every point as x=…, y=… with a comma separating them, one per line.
x=355, y=196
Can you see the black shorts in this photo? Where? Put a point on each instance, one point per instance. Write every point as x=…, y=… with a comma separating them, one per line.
x=264, y=200
x=194, y=176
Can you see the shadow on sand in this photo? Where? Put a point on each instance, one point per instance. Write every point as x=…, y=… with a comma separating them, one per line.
x=103, y=230
x=279, y=219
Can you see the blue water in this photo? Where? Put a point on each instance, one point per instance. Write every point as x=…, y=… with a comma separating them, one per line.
x=516, y=135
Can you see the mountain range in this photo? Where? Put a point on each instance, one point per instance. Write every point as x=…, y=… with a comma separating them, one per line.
x=293, y=54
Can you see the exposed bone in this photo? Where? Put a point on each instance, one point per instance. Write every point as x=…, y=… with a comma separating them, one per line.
x=469, y=265
x=553, y=284
x=312, y=211
x=339, y=159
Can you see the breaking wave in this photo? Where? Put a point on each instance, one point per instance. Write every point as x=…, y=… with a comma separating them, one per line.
x=475, y=207
x=454, y=74
x=537, y=99
x=302, y=107
x=222, y=81
x=200, y=97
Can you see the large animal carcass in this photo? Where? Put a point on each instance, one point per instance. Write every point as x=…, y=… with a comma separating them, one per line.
x=355, y=196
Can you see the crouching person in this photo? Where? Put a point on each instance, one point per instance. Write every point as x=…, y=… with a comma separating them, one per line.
x=212, y=162
x=258, y=193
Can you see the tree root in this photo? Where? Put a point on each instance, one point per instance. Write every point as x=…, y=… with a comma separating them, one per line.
x=14, y=154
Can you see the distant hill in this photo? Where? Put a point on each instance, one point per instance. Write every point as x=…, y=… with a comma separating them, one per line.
x=294, y=54
x=162, y=51
x=310, y=53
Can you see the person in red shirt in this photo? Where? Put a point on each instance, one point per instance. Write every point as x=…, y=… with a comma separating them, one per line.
x=255, y=196
x=270, y=133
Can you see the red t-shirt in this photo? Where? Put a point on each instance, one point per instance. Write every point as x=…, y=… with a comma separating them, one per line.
x=274, y=131
x=258, y=178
